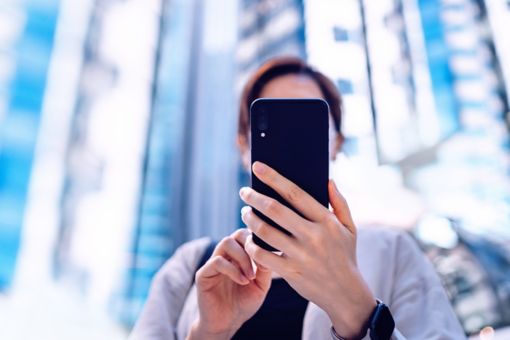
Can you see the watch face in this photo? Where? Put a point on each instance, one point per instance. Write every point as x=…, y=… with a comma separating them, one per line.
x=382, y=323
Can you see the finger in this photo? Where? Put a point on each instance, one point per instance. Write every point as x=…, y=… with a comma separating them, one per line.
x=297, y=197
x=266, y=258
x=340, y=207
x=261, y=267
x=263, y=278
x=241, y=235
x=267, y=233
x=276, y=211
x=220, y=265
x=231, y=249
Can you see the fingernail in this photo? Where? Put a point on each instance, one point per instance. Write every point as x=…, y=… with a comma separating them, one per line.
x=244, y=210
x=244, y=279
x=250, y=274
x=242, y=192
x=259, y=167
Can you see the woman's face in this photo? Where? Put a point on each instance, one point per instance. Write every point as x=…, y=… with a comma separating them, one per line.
x=293, y=86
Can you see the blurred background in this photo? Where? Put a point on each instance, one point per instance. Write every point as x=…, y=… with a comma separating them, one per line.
x=117, y=142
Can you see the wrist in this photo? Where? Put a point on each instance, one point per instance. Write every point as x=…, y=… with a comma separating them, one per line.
x=353, y=328
x=352, y=321
x=198, y=331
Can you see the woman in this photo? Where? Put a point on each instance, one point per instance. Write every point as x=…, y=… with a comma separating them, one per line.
x=330, y=280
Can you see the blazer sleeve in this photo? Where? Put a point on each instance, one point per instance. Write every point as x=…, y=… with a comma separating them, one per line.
x=168, y=292
x=419, y=304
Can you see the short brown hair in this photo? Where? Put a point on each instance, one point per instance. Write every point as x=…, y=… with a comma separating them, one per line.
x=280, y=66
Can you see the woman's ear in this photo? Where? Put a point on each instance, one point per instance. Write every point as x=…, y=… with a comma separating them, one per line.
x=337, y=146
x=244, y=149
x=242, y=143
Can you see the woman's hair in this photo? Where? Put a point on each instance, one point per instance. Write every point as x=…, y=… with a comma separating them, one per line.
x=281, y=66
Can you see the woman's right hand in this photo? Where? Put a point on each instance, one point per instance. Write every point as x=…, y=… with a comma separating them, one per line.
x=228, y=290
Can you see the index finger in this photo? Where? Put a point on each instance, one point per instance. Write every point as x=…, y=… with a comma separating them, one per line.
x=297, y=197
x=241, y=236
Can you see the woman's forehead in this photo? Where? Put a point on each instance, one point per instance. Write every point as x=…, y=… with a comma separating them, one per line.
x=292, y=86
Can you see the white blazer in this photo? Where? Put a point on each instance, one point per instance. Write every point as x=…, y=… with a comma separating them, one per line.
x=390, y=261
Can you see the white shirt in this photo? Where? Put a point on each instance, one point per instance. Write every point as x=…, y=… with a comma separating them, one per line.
x=390, y=261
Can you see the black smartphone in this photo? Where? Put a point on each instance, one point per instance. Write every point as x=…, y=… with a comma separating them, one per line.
x=291, y=136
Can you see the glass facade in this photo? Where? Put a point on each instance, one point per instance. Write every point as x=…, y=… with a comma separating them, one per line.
x=154, y=235
x=105, y=152
x=26, y=42
x=472, y=190
x=438, y=53
x=390, y=65
x=190, y=184
x=268, y=28
x=338, y=28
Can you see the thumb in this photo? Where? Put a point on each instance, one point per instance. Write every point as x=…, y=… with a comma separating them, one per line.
x=340, y=207
x=263, y=277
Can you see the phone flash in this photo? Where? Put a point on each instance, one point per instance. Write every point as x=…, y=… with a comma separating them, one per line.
x=262, y=134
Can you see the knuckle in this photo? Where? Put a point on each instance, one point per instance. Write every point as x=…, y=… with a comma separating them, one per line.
x=302, y=257
x=331, y=221
x=220, y=263
x=216, y=261
x=226, y=244
x=239, y=232
x=272, y=206
x=260, y=229
x=293, y=194
x=343, y=202
x=315, y=238
x=223, y=242
x=231, y=243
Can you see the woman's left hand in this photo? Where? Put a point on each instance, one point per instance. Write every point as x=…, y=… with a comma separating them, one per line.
x=319, y=259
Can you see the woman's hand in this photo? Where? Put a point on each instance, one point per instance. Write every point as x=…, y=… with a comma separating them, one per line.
x=229, y=292
x=319, y=259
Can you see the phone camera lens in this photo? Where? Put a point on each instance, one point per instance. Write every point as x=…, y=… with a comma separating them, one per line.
x=262, y=123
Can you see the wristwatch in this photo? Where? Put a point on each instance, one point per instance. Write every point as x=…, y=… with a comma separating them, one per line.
x=380, y=324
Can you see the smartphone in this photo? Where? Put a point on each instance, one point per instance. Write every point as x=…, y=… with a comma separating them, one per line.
x=291, y=136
